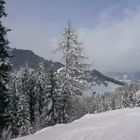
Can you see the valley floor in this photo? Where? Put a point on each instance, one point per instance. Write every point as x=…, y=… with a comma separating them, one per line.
x=123, y=124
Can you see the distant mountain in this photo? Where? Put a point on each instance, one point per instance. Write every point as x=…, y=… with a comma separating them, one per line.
x=21, y=57
x=102, y=79
x=99, y=83
x=125, y=77
x=96, y=78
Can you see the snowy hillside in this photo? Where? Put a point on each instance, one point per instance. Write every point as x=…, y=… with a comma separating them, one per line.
x=101, y=89
x=98, y=82
x=121, y=124
x=125, y=76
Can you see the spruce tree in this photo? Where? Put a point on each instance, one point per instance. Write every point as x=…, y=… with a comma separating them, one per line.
x=4, y=73
x=112, y=104
x=40, y=95
x=23, y=105
x=32, y=102
x=129, y=97
x=53, y=102
x=70, y=76
x=14, y=100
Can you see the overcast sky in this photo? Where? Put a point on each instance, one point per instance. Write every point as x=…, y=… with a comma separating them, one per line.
x=109, y=29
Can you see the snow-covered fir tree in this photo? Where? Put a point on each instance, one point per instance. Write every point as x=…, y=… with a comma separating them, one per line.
x=40, y=89
x=23, y=105
x=54, y=100
x=112, y=104
x=32, y=102
x=4, y=73
x=71, y=74
x=14, y=101
x=129, y=97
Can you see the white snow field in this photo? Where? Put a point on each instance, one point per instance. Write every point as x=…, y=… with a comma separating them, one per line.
x=123, y=124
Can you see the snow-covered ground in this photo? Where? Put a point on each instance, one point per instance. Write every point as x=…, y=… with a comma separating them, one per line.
x=121, y=124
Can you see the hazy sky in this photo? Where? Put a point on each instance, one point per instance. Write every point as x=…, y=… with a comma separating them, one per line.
x=109, y=29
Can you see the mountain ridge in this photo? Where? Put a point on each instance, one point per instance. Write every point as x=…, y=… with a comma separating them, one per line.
x=125, y=76
x=21, y=57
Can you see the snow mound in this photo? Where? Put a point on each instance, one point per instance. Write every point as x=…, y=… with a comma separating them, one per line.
x=123, y=124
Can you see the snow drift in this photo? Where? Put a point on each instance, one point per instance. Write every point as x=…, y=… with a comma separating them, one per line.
x=123, y=124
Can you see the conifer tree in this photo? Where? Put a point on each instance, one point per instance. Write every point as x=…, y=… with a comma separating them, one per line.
x=14, y=100
x=4, y=73
x=40, y=95
x=32, y=102
x=53, y=102
x=71, y=74
x=112, y=104
x=23, y=105
x=129, y=98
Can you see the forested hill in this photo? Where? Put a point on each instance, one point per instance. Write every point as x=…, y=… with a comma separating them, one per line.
x=101, y=78
x=21, y=57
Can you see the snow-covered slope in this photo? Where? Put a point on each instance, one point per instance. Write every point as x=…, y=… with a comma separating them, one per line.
x=125, y=76
x=99, y=83
x=100, y=89
x=121, y=124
